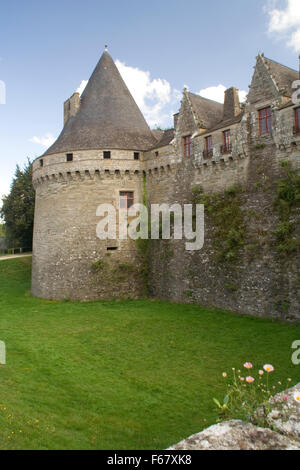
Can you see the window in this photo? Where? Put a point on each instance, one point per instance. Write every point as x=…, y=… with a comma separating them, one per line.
x=111, y=248
x=265, y=120
x=41, y=162
x=106, y=154
x=226, y=147
x=208, y=143
x=136, y=155
x=69, y=157
x=226, y=135
x=126, y=199
x=208, y=151
x=187, y=146
x=297, y=120
x=156, y=154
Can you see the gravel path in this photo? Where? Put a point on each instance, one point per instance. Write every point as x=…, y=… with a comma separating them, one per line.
x=2, y=258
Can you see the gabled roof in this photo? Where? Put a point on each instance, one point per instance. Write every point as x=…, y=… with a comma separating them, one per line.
x=226, y=122
x=108, y=117
x=208, y=112
x=166, y=138
x=282, y=75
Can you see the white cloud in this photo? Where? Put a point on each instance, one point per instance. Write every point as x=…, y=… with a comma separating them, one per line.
x=45, y=140
x=216, y=93
x=82, y=86
x=285, y=22
x=153, y=96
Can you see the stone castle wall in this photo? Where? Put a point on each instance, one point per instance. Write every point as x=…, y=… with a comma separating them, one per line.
x=65, y=241
x=261, y=281
x=258, y=282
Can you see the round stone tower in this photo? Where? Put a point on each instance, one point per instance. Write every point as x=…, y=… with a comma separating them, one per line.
x=96, y=159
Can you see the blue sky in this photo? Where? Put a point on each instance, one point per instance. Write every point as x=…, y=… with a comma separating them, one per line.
x=48, y=48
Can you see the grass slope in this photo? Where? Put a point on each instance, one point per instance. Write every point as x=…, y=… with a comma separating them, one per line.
x=119, y=375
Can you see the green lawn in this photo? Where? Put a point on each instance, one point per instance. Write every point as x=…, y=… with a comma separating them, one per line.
x=119, y=375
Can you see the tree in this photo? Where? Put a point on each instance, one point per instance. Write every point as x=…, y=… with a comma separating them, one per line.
x=18, y=209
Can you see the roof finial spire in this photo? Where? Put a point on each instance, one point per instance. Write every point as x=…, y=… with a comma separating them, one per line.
x=106, y=48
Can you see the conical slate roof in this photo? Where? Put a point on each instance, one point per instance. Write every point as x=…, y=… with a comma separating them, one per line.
x=108, y=117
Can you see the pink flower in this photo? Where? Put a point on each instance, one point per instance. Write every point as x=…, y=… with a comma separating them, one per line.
x=249, y=379
x=268, y=367
x=285, y=398
x=248, y=365
x=261, y=372
x=224, y=374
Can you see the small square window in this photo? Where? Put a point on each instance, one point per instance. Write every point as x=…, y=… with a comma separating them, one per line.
x=156, y=154
x=136, y=155
x=126, y=199
x=106, y=154
x=41, y=162
x=69, y=157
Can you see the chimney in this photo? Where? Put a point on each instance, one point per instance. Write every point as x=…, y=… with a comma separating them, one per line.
x=175, y=117
x=71, y=107
x=232, y=105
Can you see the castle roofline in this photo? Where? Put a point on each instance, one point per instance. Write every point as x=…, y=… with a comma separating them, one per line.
x=108, y=117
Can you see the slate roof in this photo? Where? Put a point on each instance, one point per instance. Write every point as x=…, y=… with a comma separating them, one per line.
x=226, y=122
x=208, y=112
x=166, y=138
x=108, y=116
x=283, y=76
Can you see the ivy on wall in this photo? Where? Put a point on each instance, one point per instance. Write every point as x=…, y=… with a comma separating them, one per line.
x=286, y=204
x=224, y=211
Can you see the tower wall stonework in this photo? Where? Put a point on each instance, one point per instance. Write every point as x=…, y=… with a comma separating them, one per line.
x=65, y=242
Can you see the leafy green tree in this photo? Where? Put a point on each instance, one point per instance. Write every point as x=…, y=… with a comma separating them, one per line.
x=2, y=231
x=18, y=209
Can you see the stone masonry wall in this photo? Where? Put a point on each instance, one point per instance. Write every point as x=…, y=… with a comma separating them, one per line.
x=261, y=281
x=66, y=247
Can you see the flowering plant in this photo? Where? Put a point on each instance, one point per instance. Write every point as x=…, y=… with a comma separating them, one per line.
x=248, y=395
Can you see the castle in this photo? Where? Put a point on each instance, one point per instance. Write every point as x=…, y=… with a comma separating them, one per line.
x=106, y=153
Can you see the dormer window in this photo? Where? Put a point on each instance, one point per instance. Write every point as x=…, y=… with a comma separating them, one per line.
x=136, y=155
x=106, y=154
x=297, y=121
x=208, y=143
x=187, y=145
x=69, y=157
x=208, y=151
x=226, y=147
x=265, y=120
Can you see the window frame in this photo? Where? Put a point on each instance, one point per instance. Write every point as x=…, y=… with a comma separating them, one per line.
x=227, y=139
x=187, y=145
x=266, y=118
x=69, y=157
x=136, y=155
x=297, y=119
x=123, y=196
x=208, y=139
